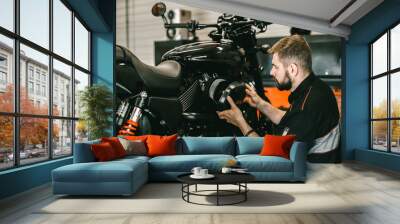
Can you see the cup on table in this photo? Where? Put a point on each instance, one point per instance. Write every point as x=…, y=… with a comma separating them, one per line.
x=203, y=172
x=196, y=171
x=226, y=170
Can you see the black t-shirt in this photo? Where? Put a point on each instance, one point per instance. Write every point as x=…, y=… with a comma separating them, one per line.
x=313, y=112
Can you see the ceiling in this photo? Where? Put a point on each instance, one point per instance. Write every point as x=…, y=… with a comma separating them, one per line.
x=324, y=16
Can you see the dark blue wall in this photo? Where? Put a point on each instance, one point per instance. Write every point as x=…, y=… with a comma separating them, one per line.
x=103, y=52
x=356, y=99
x=99, y=15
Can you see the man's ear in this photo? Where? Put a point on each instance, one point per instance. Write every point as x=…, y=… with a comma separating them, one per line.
x=293, y=69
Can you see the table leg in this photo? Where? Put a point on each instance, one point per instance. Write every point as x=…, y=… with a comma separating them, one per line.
x=196, y=188
x=188, y=190
x=217, y=194
x=245, y=193
x=182, y=188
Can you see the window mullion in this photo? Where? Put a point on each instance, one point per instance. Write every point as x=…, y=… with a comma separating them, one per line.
x=389, y=106
x=73, y=82
x=50, y=81
x=16, y=85
x=371, y=89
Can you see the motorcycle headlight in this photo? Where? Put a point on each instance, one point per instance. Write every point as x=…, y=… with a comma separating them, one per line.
x=236, y=90
x=220, y=89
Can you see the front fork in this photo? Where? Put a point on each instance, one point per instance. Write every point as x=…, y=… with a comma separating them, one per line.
x=131, y=126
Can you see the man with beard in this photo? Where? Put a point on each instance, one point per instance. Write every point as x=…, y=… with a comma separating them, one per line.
x=313, y=115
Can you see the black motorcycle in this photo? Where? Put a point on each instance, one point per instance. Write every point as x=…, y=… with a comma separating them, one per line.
x=192, y=82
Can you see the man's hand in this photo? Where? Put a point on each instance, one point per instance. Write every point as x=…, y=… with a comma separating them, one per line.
x=233, y=116
x=252, y=98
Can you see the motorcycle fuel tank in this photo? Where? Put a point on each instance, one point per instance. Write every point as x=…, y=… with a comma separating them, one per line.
x=206, y=55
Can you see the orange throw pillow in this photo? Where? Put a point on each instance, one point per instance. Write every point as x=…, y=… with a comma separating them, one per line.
x=103, y=152
x=161, y=145
x=277, y=145
x=116, y=145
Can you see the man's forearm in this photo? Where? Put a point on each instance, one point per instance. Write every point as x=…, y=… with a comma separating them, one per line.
x=274, y=114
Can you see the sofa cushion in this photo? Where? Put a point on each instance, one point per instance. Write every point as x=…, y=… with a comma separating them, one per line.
x=134, y=138
x=161, y=145
x=275, y=145
x=103, y=151
x=111, y=171
x=185, y=163
x=134, y=147
x=116, y=145
x=257, y=163
x=249, y=145
x=83, y=152
x=130, y=158
x=206, y=145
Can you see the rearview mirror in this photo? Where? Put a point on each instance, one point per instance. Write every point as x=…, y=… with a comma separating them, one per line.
x=158, y=9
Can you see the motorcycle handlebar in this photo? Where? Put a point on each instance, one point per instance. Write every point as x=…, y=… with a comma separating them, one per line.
x=191, y=26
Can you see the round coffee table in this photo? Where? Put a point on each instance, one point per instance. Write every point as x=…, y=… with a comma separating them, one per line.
x=238, y=179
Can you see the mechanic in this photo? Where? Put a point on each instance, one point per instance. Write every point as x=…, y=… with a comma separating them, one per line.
x=313, y=115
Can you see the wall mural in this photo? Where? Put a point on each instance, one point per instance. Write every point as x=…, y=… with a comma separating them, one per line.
x=194, y=79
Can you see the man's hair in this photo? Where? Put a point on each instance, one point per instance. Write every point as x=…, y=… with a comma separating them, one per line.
x=293, y=49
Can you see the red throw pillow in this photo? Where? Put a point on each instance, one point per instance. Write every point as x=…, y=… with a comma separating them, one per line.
x=103, y=152
x=161, y=145
x=134, y=138
x=277, y=145
x=116, y=145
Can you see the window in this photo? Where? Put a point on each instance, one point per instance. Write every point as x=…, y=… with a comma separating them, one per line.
x=385, y=97
x=3, y=72
x=37, y=74
x=3, y=78
x=38, y=89
x=81, y=81
x=62, y=74
x=6, y=71
x=54, y=126
x=7, y=14
x=30, y=87
x=55, y=100
x=62, y=138
x=34, y=21
x=62, y=29
x=395, y=47
x=44, y=91
x=30, y=73
x=3, y=61
x=33, y=148
x=81, y=45
x=6, y=142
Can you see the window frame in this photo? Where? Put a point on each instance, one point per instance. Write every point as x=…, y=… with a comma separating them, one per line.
x=388, y=74
x=16, y=114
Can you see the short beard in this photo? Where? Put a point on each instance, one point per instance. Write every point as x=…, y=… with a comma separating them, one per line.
x=284, y=86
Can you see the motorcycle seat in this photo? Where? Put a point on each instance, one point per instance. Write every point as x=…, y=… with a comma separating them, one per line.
x=164, y=77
